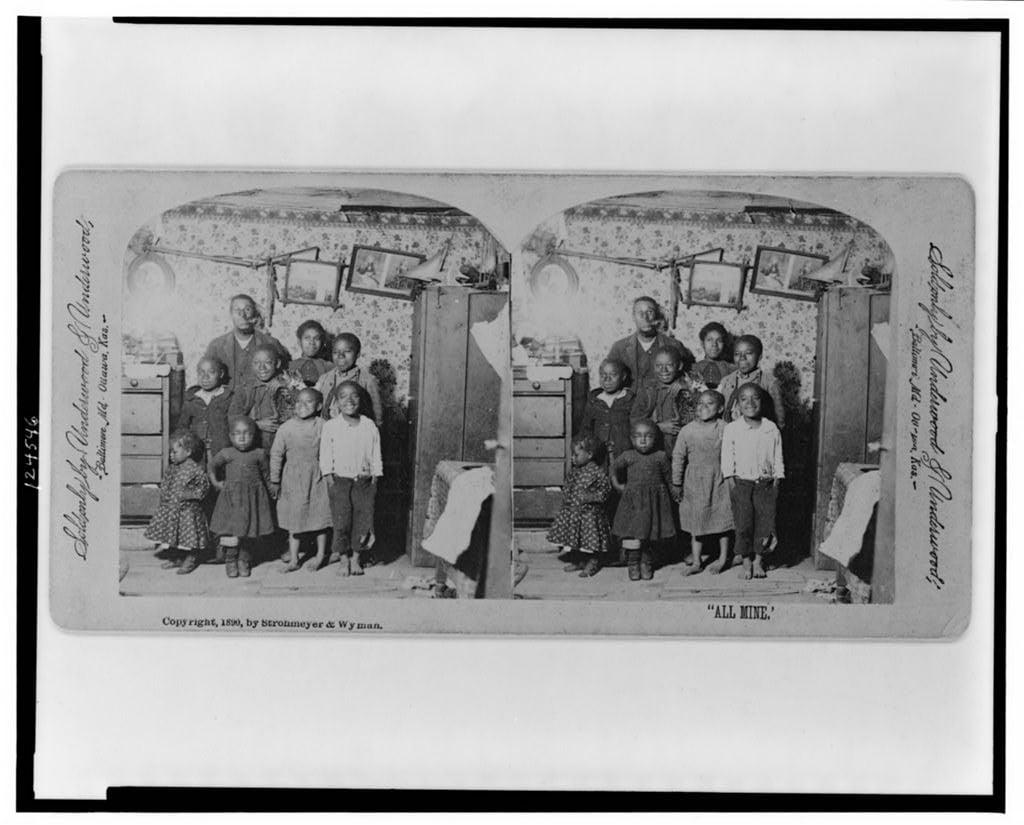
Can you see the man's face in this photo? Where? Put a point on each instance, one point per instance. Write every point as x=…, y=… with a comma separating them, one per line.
x=243, y=315
x=645, y=316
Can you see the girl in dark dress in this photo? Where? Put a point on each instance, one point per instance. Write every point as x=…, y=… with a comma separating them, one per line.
x=244, y=510
x=643, y=476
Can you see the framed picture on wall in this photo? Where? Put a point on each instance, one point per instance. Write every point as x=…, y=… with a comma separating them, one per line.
x=782, y=272
x=312, y=282
x=379, y=272
x=715, y=284
x=681, y=264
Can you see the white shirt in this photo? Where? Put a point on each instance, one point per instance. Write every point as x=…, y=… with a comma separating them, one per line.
x=752, y=453
x=611, y=399
x=209, y=395
x=350, y=450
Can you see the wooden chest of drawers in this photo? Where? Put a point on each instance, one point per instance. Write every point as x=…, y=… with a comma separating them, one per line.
x=149, y=407
x=542, y=416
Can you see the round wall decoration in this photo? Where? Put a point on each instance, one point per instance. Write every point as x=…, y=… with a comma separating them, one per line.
x=553, y=277
x=150, y=274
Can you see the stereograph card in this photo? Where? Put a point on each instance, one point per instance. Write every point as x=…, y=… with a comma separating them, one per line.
x=533, y=278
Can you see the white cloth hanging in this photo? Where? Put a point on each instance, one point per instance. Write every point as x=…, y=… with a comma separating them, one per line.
x=454, y=528
x=847, y=535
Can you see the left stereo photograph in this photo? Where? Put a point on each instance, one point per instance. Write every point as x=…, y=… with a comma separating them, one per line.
x=282, y=399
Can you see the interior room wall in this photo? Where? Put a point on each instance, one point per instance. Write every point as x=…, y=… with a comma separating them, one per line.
x=601, y=312
x=197, y=308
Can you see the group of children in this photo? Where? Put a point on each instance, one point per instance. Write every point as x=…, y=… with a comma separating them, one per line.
x=704, y=438
x=296, y=450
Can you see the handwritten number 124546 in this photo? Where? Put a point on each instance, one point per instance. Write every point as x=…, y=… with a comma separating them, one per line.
x=30, y=452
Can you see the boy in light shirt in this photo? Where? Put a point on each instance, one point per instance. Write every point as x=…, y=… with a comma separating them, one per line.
x=350, y=461
x=753, y=469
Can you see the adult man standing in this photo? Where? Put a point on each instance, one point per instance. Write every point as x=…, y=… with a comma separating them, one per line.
x=637, y=351
x=235, y=348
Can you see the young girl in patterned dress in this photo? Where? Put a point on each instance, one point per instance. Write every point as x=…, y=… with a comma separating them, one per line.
x=180, y=524
x=698, y=483
x=644, y=514
x=581, y=525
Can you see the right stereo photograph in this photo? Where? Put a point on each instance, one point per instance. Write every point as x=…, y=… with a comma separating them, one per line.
x=702, y=406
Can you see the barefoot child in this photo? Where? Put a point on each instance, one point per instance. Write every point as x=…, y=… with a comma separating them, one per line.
x=581, y=525
x=179, y=525
x=698, y=484
x=311, y=365
x=300, y=489
x=345, y=352
x=752, y=465
x=244, y=511
x=644, y=515
x=350, y=461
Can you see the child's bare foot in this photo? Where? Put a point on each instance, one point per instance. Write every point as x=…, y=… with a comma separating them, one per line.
x=747, y=572
x=292, y=566
x=334, y=557
x=356, y=565
x=719, y=566
x=690, y=569
x=316, y=563
x=758, y=568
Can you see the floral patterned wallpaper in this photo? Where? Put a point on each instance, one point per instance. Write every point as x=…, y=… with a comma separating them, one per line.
x=197, y=309
x=601, y=312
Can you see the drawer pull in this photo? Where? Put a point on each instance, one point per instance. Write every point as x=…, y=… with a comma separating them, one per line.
x=536, y=385
x=134, y=382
